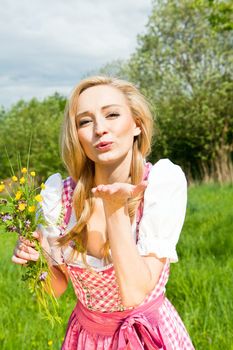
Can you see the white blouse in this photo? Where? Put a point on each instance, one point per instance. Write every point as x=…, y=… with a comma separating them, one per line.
x=165, y=200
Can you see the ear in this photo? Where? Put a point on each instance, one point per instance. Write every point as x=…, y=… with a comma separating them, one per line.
x=137, y=131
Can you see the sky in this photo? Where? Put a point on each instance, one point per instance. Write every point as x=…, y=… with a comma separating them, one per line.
x=49, y=45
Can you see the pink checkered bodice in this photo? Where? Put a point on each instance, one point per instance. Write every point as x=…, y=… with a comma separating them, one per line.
x=97, y=288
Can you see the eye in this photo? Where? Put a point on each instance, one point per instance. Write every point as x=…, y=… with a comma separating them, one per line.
x=83, y=122
x=113, y=115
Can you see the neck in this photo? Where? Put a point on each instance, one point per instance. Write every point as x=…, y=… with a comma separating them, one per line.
x=117, y=172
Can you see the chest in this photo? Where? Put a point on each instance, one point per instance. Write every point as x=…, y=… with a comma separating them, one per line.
x=96, y=231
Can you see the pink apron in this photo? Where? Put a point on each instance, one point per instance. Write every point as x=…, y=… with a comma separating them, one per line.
x=132, y=330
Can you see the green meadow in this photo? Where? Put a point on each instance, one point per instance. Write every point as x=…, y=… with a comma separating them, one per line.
x=200, y=285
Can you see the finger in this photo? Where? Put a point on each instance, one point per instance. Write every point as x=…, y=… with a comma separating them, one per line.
x=139, y=188
x=26, y=241
x=24, y=255
x=100, y=190
x=38, y=235
x=17, y=260
x=101, y=187
x=143, y=185
x=27, y=249
x=95, y=192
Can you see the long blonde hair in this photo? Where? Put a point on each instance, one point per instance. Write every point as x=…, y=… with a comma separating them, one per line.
x=81, y=168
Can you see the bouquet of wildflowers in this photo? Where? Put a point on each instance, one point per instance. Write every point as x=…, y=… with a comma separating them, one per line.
x=18, y=213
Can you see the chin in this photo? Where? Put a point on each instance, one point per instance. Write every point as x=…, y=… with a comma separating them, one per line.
x=109, y=159
x=106, y=160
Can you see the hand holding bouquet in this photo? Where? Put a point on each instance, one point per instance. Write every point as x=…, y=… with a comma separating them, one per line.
x=19, y=213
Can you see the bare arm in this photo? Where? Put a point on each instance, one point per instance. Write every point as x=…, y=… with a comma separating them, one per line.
x=136, y=275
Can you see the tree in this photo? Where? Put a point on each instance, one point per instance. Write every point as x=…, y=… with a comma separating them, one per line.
x=221, y=14
x=183, y=65
x=37, y=120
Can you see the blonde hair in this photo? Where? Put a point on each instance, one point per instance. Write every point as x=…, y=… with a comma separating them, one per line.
x=81, y=168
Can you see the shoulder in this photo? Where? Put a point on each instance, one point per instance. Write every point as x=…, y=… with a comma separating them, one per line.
x=164, y=210
x=165, y=170
x=52, y=197
x=165, y=179
x=53, y=187
x=54, y=182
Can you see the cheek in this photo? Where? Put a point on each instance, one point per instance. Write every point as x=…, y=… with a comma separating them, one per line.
x=84, y=139
x=126, y=129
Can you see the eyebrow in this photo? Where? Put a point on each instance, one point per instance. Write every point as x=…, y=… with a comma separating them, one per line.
x=81, y=114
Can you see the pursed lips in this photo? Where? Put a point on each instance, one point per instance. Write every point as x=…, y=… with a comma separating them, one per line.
x=103, y=144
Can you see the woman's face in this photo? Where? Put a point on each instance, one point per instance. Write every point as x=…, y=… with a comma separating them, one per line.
x=105, y=125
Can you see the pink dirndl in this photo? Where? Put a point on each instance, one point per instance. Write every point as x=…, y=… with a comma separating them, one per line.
x=99, y=320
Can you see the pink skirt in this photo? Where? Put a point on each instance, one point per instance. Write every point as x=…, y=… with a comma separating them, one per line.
x=148, y=326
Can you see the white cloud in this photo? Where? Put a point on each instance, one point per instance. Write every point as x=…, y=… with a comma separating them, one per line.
x=48, y=45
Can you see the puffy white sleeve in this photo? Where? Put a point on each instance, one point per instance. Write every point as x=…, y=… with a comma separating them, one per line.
x=51, y=207
x=165, y=201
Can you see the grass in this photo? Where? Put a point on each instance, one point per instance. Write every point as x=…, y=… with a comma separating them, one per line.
x=21, y=326
x=200, y=285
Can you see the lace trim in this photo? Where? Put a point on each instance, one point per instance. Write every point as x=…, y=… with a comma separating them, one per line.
x=81, y=265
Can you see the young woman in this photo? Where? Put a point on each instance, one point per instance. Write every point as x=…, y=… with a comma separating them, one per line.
x=113, y=224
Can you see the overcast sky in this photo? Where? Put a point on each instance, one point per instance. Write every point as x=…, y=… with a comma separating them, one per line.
x=48, y=45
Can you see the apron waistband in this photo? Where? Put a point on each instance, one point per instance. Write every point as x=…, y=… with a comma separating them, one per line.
x=106, y=323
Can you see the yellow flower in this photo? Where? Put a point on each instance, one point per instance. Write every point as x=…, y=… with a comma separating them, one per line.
x=2, y=186
x=33, y=173
x=24, y=170
x=50, y=343
x=42, y=186
x=31, y=209
x=22, y=180
x=22, y=206
x=14, y=178
x=38, y=198
x=18, y=195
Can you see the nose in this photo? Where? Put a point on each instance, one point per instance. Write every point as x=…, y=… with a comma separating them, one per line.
x=100, y=127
